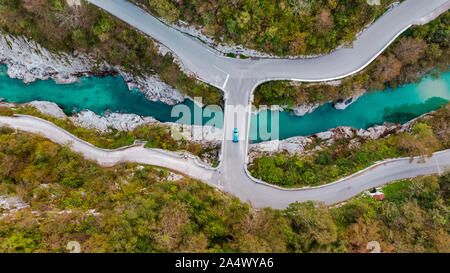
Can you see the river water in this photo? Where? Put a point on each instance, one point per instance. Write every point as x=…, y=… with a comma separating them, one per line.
x=111, y=94
x=396, y=106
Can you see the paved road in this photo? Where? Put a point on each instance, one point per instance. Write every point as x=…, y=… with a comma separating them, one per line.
x=260, y=195
x=215, y=69
x=105, y=157
x=238, y=78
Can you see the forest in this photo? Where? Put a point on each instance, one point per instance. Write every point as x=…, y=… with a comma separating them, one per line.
x=343, y=157
x=130, y=208
x=88, y=30
x=420, y=51
x=286, y=27
x=136, y=208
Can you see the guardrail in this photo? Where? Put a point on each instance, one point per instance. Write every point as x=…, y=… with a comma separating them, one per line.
x=178, y=155
x=375, y=165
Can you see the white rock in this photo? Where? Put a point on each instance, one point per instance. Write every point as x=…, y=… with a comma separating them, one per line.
x=295, y=144
x=374, y=132
x=12, y=203
x=196, y=133
x=48, y=108
x=325, y=135
x=354, y=143
x=127, y=122
x=344, y=132
x=154, y=88
x=73, y=3
x=292, y=145
x=28, y=61
x=174, y=177
x=377, y=131
x=343, y=104
x=6, y=104
x=122, y=122
x=267, y=146
x=363, y=133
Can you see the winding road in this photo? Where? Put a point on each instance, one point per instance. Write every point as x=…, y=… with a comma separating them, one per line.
x=238, y=78
x=255, y=192
x=180, y=162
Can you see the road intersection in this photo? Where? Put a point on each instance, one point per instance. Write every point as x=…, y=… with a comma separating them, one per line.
x=237, y=182
x=239, y=77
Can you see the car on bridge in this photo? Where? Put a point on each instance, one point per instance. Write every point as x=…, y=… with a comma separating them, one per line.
x=235, y=135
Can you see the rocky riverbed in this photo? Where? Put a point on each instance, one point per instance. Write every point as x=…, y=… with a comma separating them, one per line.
x=205, y=135
x=308, y=145
x=29, y=61
x=209, y=138
x=308, y=108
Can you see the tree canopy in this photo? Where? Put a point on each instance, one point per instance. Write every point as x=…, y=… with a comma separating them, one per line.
x=287, y=27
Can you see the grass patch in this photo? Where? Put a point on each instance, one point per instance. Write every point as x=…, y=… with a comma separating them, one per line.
x=396, y=191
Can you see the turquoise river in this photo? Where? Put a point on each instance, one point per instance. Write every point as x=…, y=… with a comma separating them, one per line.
x=395, y=106
x=111, y=94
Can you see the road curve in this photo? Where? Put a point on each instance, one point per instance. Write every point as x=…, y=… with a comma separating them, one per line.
x=219, y=70
x=238, y=78
x=258, y=194
x=106, y=157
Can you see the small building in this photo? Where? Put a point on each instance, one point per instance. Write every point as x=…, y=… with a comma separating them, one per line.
x=378, y=196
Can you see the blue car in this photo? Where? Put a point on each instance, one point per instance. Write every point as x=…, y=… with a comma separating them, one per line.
x=235, y=135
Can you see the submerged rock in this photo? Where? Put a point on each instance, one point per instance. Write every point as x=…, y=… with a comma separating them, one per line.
x=304, y=109
x=342, y=104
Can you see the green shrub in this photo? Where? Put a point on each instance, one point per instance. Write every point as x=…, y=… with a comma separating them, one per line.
x=6, y=111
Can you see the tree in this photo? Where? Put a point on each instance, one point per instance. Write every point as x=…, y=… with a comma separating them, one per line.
x=324, y=21
x=313, y=226
x=300, y=7
x=243, y=19
x=165, y=8
x=298, y=44
x=386, y=68
x=171, y=226
x=409, y=50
